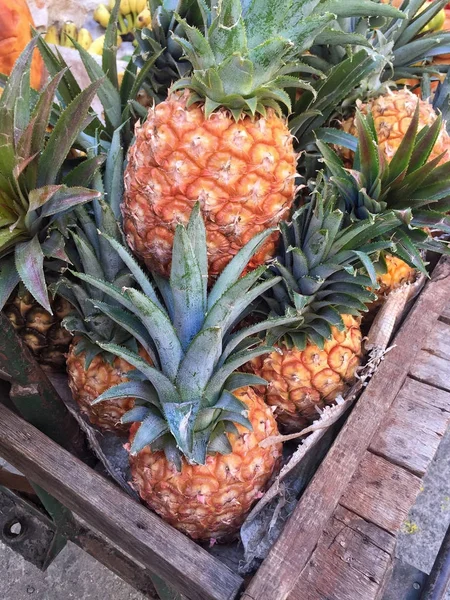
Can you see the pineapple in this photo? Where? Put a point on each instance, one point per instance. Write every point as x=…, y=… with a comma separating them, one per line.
x=90, y=370
x=392, y=114
x=323, y=268
x=415, y=182
x=220, y=137
x=34, y=192
x=41, y=331
x=194, y=449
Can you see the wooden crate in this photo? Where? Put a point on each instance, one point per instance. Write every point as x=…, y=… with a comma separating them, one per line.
x=339, y=542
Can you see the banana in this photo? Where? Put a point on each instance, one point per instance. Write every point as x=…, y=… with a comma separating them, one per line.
x=102, y=15
x=69, y=29
x=97, y=45
x=125, y=7
x=52, y=35
x=141, y=5
x=144, y=19
x=130, y=17
x=85, y=38
x=111, y=4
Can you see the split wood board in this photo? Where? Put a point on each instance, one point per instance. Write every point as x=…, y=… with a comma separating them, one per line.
x=290, y=570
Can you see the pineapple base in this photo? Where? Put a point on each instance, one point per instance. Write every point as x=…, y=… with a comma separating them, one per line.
x=302, y=381
x=211, y=501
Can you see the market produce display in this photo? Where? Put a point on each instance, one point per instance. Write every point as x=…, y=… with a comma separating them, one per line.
x=198, y=233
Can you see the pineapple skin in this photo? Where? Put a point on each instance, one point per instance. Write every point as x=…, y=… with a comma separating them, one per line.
x=398, y=273
x=211, y=501
x=242, y=173
x=299, y=381
x=41, y=332
x=87, y=384
x=392, y=114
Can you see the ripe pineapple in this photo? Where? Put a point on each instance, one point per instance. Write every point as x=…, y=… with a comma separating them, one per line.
x=33, y=194
x=220, y=138
x=322, y=264
x=41, y=331
x=195, y=455
x=415, y=182
x=90, y=370
x=392, y=114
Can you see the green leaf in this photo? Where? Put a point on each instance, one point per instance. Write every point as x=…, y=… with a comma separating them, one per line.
x=9, y=278
x=130, y=389
x=152, y=428
x=29, y=261
x=160, y=330
x=106, y=90
x=63, y=136
x=236, y=266
x=236, y=381
x=186, y=281
x=84, y=172
x=199, y=362
x=114, y=172
x=181, y=420
x=109, y=54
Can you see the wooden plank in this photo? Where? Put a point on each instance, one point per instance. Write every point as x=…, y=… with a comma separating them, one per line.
x=431, y=369
x=446, y=313
x=381, y=492
x=349, y=563
x=132, y=527
x=438, y=341
x=289, y=555
x=413, y=428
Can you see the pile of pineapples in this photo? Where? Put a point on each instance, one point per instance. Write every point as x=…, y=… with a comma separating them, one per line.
x=209, y=259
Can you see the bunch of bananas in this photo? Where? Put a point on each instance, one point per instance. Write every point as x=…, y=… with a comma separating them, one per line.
x=69, y=32
x=133, y=14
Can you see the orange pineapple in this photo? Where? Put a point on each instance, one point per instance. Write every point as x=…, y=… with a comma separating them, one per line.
x=303, y=381
x=220, y=138
x=392, y=115
x=323, y=281
x=211, y=500
x=196, y=458
x=241, y=172
x=88, y=381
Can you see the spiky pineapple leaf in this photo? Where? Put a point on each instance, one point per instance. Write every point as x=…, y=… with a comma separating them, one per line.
x=130, y=389
x=64, y=134
x=29, y=262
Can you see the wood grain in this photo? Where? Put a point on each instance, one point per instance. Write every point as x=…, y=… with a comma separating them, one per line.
x=381, y=492
x=104, y=507
x=413, y=427
x=438, y=340
x=431, y=369
x=288, y=557
x=349, y=563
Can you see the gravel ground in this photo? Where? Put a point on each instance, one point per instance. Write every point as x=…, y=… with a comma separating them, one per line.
x=74, y=575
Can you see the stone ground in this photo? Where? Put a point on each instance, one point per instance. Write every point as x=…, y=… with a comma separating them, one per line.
x=74, y=575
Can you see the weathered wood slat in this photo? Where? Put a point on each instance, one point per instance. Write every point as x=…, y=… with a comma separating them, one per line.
x=288, y=557
x=381, y=492
x=135, y=529
x=431, y=369
x=413, y=427
x=438, y=340
x=349, y=563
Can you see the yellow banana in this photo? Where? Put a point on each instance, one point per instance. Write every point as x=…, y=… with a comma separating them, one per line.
x=52, y=35
x=125, y=7
x=144, y=19
x=69, y=29
x=84, y=38
x=131, y=21
x=97, y=45
x=141, y=5
x=102, y=15
x=111, y=4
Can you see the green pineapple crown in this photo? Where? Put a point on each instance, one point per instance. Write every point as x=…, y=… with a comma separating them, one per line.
x=416, y=188
x=90, y=253
x=248, y=51
x=34, y=189
x=405, y=42
x=325, y=268
x=185, y=398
